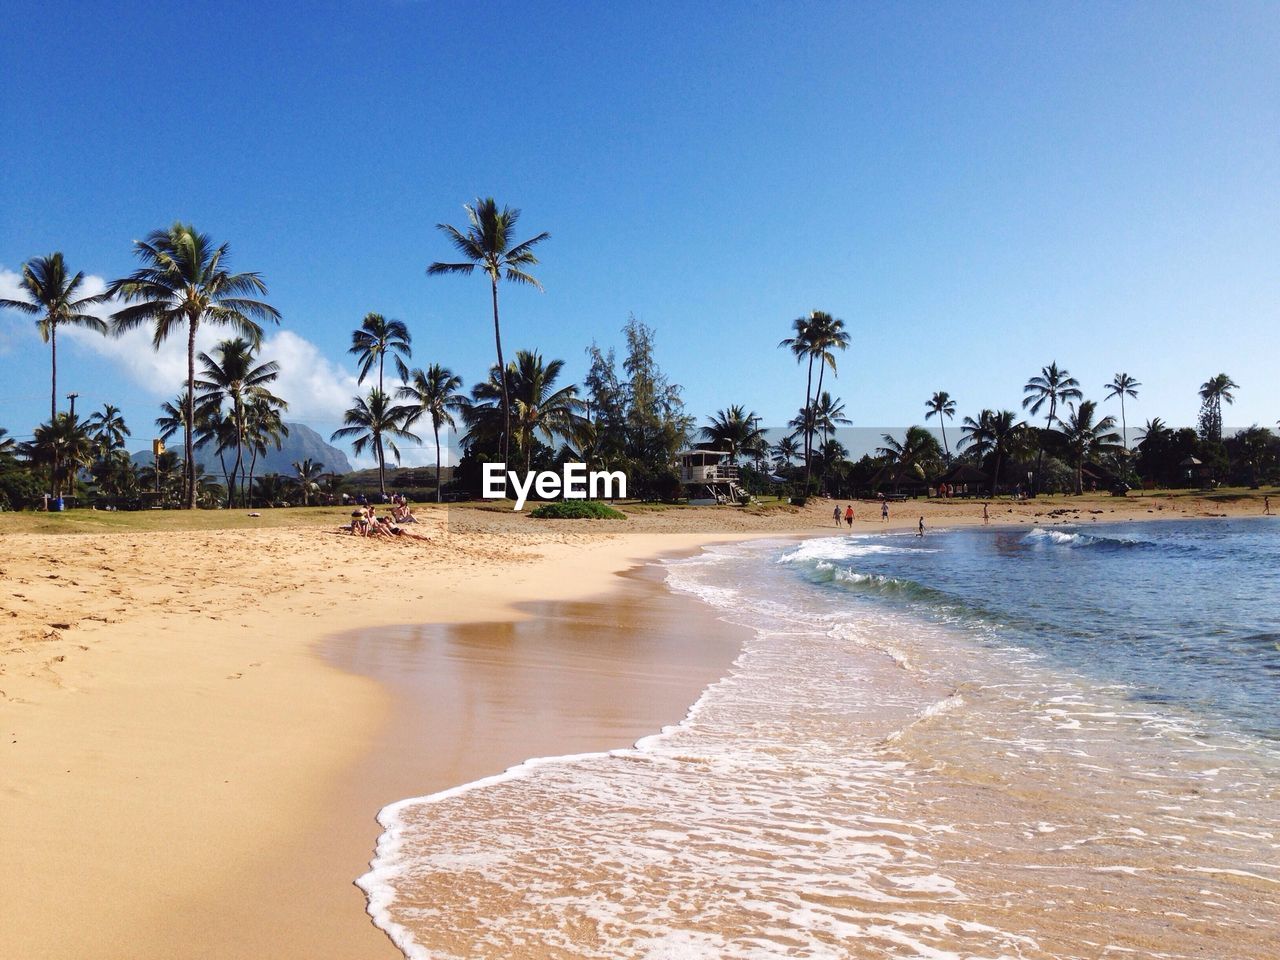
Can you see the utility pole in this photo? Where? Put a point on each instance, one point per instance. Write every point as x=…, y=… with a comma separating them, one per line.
x=72, y=398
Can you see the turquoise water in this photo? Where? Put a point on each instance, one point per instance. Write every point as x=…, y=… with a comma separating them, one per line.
x=1184, y=614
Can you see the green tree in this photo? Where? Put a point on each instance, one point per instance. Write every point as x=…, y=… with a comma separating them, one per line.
x=991, y=436
x=376, y=423
x=264, y=427
x=308, y=473
x=1212, y=393
x=1053, y=386
x=816, y=338
x=916, y=454
x=941, y=405
x=232, y=376
x=1122, y=385
x=51, y=294
x=184, y=283
x=1086, y=437
x=376, y=338
x=487, y=244
x=63, y=445
x=539, y=409
x=734, y=430
x=435, y=394
x=108, y=428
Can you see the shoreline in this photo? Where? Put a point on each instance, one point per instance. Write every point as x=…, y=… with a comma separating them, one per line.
x=178, y=743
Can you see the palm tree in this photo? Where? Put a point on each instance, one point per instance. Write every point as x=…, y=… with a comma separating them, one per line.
x=1053, y=386
x=1212, y=392
x=65, y=446
x=1085, y=438
x=1153, y=429
x=487, y=244
x=434, y=392
x=369, y=422
x=185, y=282
x=828, y=414
x=991, y=435
x=1122, y=385
x=816, y=336
x=734, y=430
x=539, y=408
x=264, y=427
x=232, y=376
x=52, y=293
x=786, y=450
x=7, y=444
x=309, y=473
x=377, y=337
x=109, y=429
x=941, y=405
x=917, y=447
x=173, y=415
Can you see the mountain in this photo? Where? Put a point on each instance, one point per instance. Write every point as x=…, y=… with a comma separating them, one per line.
x=301, y=443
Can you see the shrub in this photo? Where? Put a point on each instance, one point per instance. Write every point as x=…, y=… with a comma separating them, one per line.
x=576, y=510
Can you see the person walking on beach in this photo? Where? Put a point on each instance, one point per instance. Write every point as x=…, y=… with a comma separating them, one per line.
x=835, y=514
x=986, y=517
x=848, y=515
x=1266, y=506
x=920, y=533
x=884, y=511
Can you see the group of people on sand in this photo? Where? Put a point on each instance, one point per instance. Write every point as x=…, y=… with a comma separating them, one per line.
x=365, y=522
x=848, y=513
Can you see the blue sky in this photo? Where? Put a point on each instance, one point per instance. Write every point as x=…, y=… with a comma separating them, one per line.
x=976, y=189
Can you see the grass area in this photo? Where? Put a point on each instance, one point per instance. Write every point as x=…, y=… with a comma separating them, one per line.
x=106, y=521
x=576, y=510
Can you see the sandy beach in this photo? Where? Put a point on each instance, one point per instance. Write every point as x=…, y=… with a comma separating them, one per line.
x=200, y=725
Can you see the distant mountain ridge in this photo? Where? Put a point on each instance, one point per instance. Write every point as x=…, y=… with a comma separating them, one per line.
x=301, y=443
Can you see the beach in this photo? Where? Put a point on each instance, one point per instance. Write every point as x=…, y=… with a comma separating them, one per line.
x=200, y=726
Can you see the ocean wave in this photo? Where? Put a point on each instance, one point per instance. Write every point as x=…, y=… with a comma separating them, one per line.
x=1039, y=537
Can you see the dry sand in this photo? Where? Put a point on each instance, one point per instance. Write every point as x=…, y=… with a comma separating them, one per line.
x=187, y=771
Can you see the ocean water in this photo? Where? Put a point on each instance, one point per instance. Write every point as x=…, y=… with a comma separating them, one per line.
x=1056, y=743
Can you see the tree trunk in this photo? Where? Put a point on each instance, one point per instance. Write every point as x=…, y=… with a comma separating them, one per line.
x=807, y=419
x=382, y=466
x=502, y=378
x=189, y=415
x=945, y=449
x=53, y=389
x=435, y=426
x=239, y=415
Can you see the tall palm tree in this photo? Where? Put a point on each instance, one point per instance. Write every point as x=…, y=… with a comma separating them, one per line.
x=174, y=415
x=1212, y=392
x=264, y=427
x=487, y=244
x=816, y=338
x=1052, y=387
x=1084, y=437
x=183, y=283
x=109, y=429
x=435, y=394
x=232, y=376
x=52, y=294
x=377, y=337
x=1122, y=385
x=941, y=405
x=538, y=406
x=991, y=435
x=376, y=423
x=309, y=472
x=734, y=430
